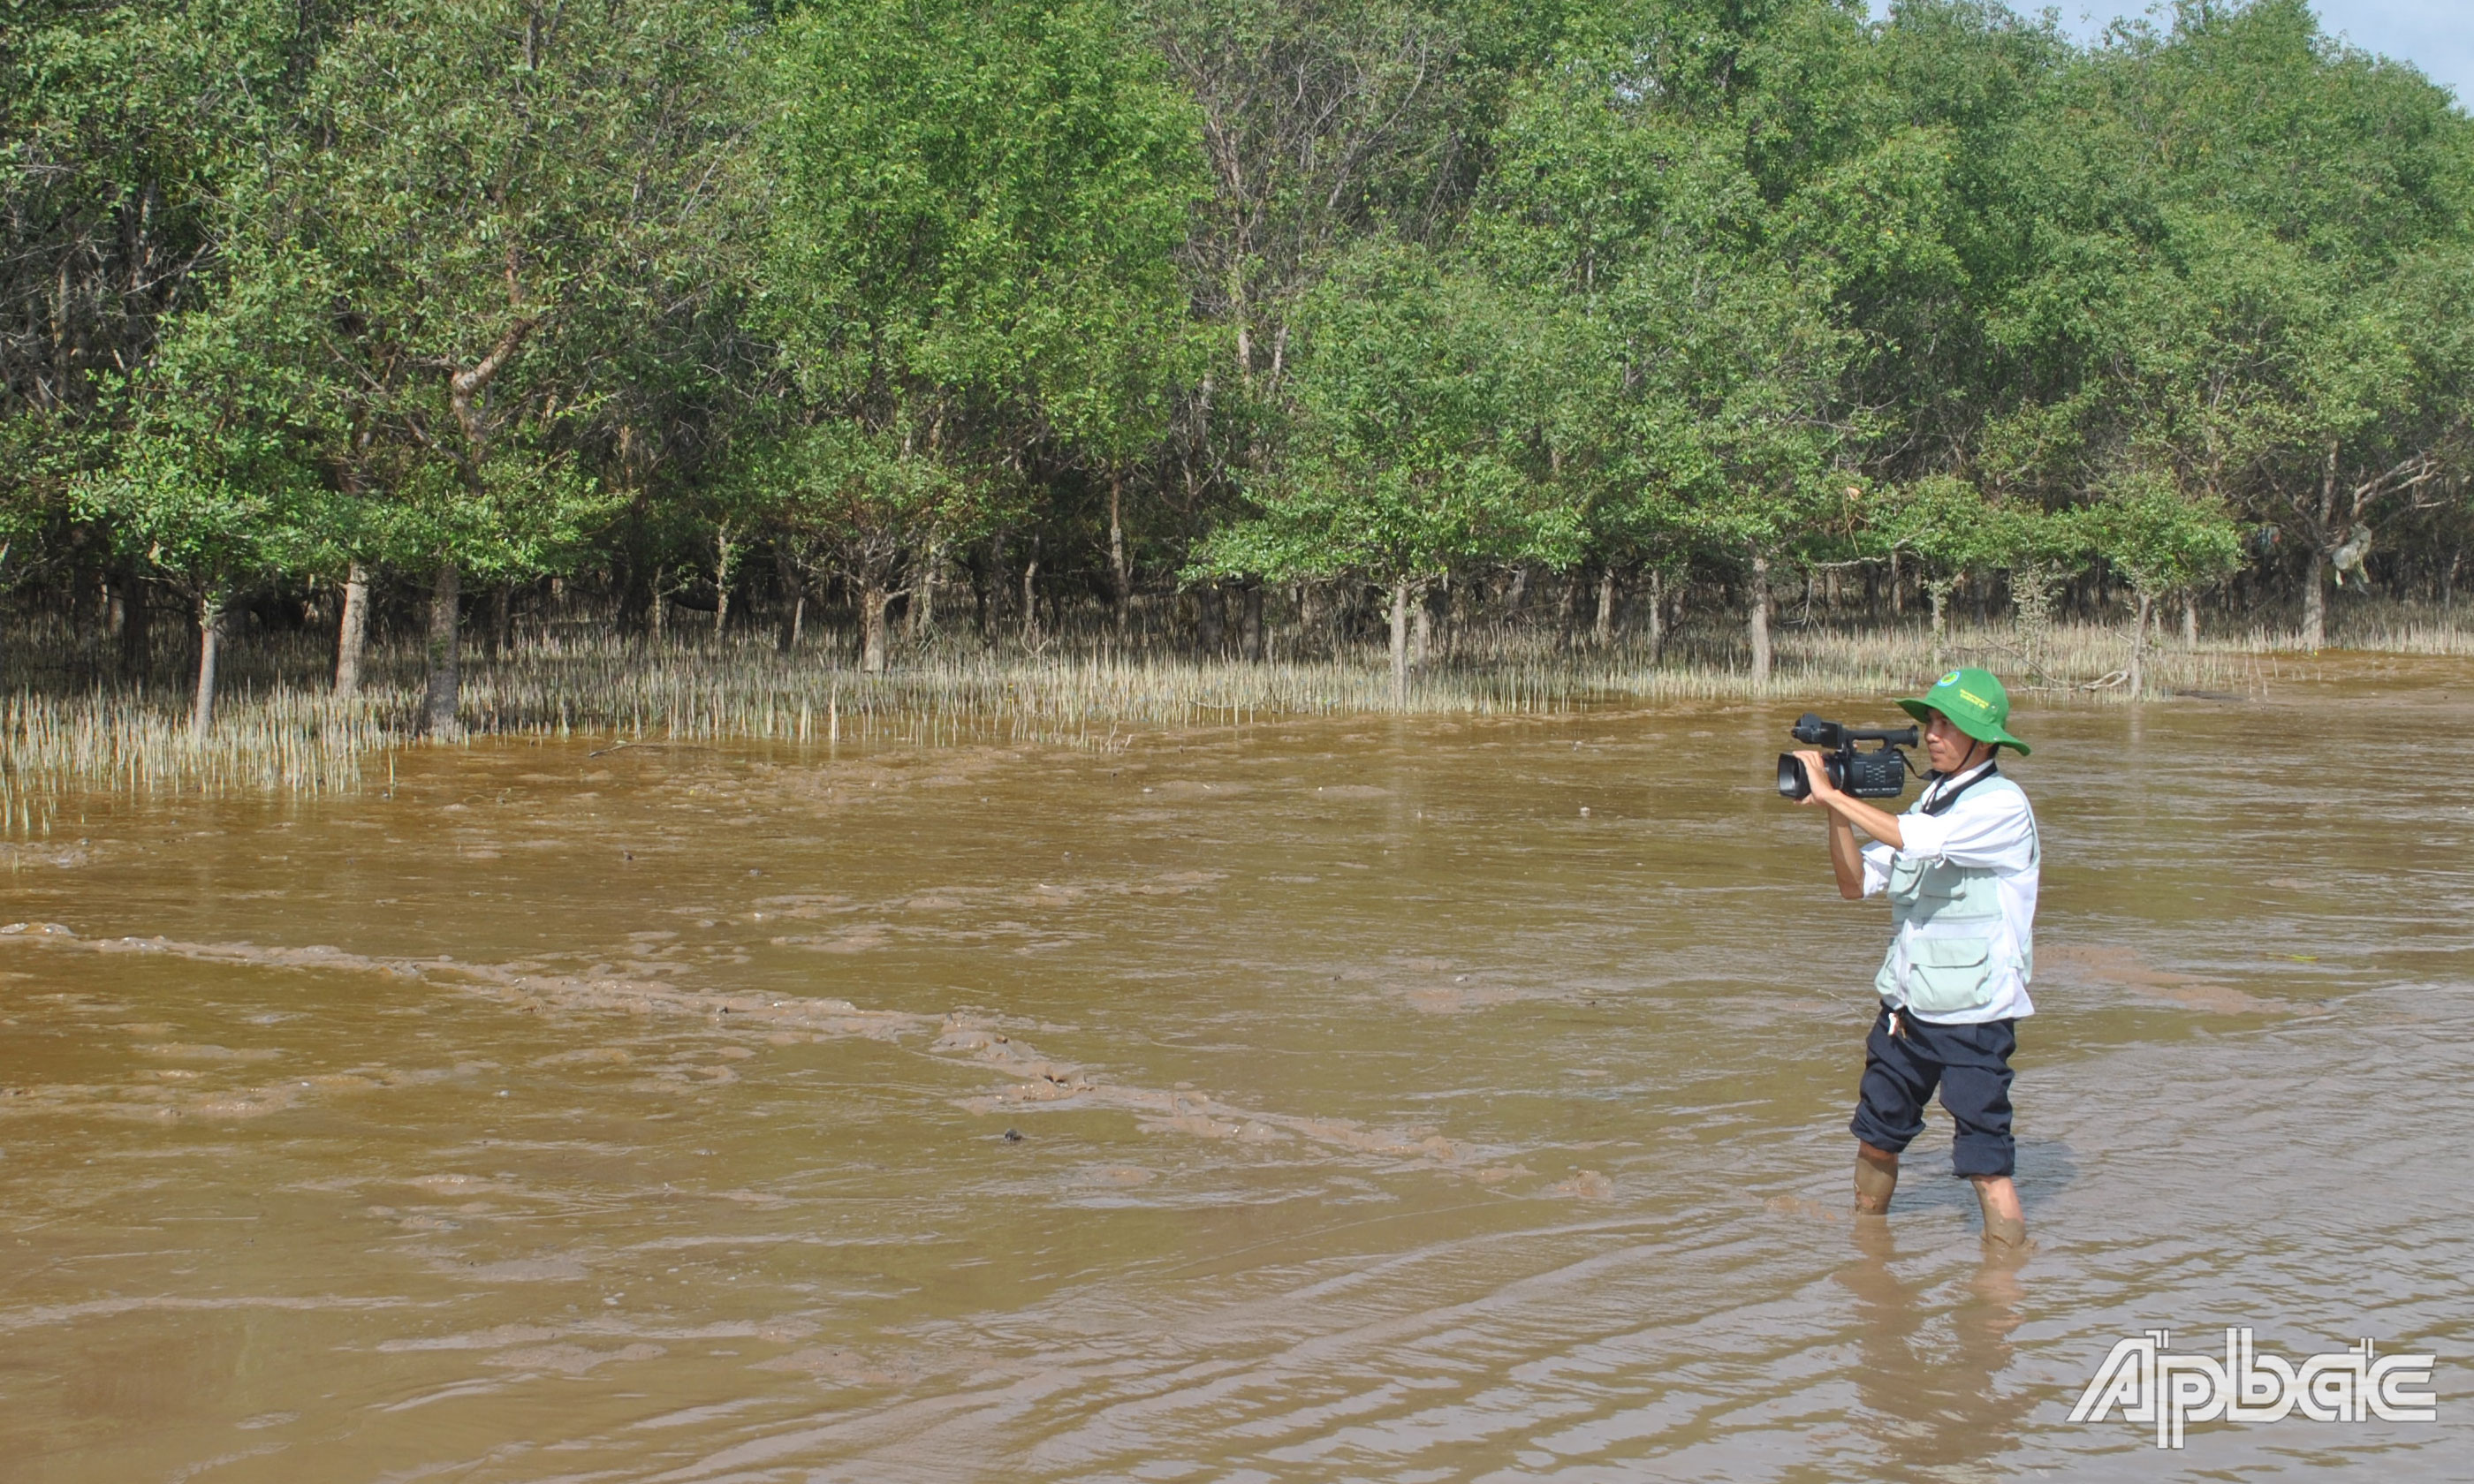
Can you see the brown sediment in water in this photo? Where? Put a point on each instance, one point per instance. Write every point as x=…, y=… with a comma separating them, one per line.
x=1050, y=1086
x=1376, y=1111
x=511, y=984
x=1040, y=1083
x=2117, y=967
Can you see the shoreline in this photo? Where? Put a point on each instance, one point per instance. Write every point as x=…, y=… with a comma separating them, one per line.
x=281, y=733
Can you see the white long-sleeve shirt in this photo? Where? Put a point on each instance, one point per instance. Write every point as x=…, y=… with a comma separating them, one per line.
x=1987, y=828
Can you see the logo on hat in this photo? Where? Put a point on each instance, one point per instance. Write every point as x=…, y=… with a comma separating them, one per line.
x=1952, y=679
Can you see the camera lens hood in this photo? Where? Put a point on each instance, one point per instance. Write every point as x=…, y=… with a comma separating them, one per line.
x=1791, y=782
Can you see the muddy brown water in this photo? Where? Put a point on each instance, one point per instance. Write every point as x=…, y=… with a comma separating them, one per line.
x=1385, y=1100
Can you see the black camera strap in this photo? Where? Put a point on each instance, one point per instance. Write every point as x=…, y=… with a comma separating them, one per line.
x=1940, y=802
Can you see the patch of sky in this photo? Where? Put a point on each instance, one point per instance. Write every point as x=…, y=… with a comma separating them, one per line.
x=2433, y=35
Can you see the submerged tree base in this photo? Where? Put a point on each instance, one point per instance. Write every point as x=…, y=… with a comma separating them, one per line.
x=282, y=732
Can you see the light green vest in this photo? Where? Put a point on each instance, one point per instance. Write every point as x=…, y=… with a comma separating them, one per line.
x=1945, y=918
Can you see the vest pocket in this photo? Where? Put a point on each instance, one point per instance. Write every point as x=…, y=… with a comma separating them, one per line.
x=1949, y=897
x=1947, y=975
x=1907, y=880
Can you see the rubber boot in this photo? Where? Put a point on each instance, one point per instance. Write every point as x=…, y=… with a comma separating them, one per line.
x=1877, y=1177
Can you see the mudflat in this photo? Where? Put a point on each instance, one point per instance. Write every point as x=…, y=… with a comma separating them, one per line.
x=1382, y=1098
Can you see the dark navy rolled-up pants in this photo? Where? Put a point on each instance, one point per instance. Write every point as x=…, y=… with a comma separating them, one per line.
x=1970, y=1064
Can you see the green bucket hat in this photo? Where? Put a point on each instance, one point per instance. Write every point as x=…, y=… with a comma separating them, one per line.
x=1975, y=702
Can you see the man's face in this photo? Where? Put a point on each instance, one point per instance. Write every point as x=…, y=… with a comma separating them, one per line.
x=1946, y=747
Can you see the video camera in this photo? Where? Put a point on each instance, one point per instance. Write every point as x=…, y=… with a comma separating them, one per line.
x=1879, y=774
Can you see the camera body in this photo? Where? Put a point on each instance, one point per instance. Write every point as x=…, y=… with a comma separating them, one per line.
x=1879, y=774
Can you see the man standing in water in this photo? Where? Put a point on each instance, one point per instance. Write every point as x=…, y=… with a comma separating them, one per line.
x=1960, y=868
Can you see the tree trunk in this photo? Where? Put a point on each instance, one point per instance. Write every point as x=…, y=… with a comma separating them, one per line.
x=1250, y=621
x=1030, y=599
x=989, y=589
x=88, y=618
x=1898, y=591
x=2314, y=578
x=446, y=684
x=1211, y=619
x=1421, y=631
x=1121, y=582
x=787, y=574
x=2315, y=600
x=1656, y=614
x=137, y=631
x=2189, y=620
x=465, y=391
x=724, y=571
x=1758, y=602
x=502, y=618
x=1604, y=631
x=921, y=621
x=353, y=632
x=1399, y=642
x=210, y=644
x=1937, y=592
x=872, y=602
x=2139, y=647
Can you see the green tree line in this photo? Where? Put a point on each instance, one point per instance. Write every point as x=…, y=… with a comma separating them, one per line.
x=1108, y=301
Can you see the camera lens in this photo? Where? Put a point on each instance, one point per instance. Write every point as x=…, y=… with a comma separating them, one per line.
x=1791, y=782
